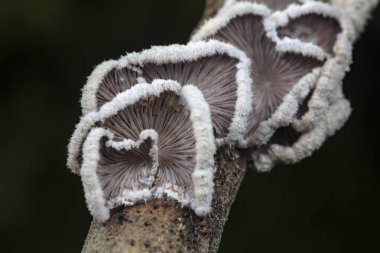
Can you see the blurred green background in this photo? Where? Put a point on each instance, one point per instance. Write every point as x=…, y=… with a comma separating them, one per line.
x=328, y=203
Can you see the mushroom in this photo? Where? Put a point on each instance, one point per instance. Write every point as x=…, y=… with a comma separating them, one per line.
x=219, y=70
x=299, y=56
x=151, y=140
x=151, y=121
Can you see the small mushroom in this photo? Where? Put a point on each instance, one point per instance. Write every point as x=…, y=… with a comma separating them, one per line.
x=150, y=140
x=299, y=56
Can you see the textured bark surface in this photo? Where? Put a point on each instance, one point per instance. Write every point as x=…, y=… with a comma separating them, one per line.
x=162, y=225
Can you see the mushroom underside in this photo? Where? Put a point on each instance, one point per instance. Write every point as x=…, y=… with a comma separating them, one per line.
x=274, y=73
x=176, y=146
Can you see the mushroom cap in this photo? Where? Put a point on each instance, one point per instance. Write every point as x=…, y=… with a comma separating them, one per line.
x=150, y=140
x=219, y=70
x=299, y=56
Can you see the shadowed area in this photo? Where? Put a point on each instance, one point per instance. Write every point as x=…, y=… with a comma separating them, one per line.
x=115, y=82
x=176, y=144
x=274, y=74
x=314, y=28
x=214, y=76
x=285, y=136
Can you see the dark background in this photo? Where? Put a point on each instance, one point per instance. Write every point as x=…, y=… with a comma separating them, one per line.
x=328, y=203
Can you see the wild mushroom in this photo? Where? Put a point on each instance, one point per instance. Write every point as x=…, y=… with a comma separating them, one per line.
x=136, y=135
x=293, y=58
x=150, y=140
x=219, y=70
x=297, y=103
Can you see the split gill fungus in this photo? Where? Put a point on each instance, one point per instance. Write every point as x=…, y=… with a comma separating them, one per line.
x=263, y=75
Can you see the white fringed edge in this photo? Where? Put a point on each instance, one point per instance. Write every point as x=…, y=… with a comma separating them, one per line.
x=92, y=188
x=197, y=50
x=332, y=74
x=122, y=100
x=285, y=112
x=294, y=45
x=338, y=113
x=88, y=100
x=203, y=172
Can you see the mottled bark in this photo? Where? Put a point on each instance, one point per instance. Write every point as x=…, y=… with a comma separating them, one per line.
x=162, y=225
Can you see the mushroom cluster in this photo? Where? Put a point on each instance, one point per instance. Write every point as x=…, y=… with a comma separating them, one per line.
x=152, y=121
x=264, y=75
x=299, y=53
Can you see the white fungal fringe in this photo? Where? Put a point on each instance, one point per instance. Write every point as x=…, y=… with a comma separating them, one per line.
x=203, y=174
x=92, y=188
x=336, y=116
x=330, y=81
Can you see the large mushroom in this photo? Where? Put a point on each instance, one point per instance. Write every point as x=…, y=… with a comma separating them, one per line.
x=219, y=70
x=151, y=121
x=151, y=140
x=299, y=56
